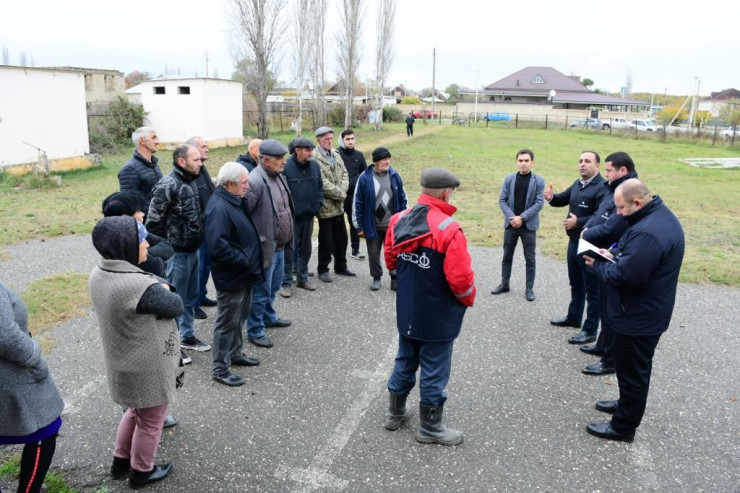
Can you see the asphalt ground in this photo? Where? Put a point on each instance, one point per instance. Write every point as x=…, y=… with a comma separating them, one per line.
x=310, y=416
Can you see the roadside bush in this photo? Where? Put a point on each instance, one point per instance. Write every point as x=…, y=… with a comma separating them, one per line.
x=359, y=114
x=114, y=128
x=411, y=100
x=392, y=114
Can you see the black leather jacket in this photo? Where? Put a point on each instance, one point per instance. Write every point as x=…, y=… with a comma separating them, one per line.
x=175, y=213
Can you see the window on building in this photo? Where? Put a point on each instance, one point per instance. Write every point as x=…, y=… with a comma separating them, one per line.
x=110, y=83
x=183, y=89
x=538, y=80
x=88, y=82
x=158, y=89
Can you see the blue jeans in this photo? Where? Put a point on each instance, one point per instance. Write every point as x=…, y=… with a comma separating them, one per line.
x=435, y=359
x=204, y=271
x=263, y=296
x=182, y=272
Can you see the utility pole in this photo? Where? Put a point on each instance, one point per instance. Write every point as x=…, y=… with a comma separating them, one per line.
x=476, y=97
x=206, y=64
x=434, y=73
x=693, y=103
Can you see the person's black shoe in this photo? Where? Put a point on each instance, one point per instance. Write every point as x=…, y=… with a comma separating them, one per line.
x=169, y=421
x=582, y=338
x=263, y=341
x=141, y=479
x=120, y=467
x=245, y=361
x=280, y=322
x=593, y=349
x=530, y=295
x=229, y=379
x=597, y=369
x=200, y=314
x=345, y=272
x=209, y=302
x=605, y=430
x=564, y=322
x=501, y=288
x=609, y=407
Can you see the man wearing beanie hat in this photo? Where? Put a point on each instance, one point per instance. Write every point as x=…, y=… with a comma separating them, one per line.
x=435, y=286
x=271, y=209
x=379, y=195
x=332, y=229
x=306, y=188
x=354, y=161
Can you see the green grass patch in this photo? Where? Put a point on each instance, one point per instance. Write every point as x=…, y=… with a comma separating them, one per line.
x=705, y=200
x=54, y=483
x=53, y=300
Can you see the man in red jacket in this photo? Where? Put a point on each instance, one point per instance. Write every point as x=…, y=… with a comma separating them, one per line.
x=429, y=252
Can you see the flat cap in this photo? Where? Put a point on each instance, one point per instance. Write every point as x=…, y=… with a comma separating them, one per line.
x=303, y=142
x=380, y=153
x=323, y=130
x=272, y=147
x=438, y=178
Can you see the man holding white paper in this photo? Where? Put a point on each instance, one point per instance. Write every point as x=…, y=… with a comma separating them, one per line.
x=641, y=293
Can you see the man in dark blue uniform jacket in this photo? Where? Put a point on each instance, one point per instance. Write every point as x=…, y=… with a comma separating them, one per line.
x=604, y=230
x=582, y=198
x=641, y=292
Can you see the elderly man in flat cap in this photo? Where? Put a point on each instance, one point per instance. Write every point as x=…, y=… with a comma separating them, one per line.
x=271, y=207
x=306, y=188
x=332, y=228
x=429, y=251
x=379, y=194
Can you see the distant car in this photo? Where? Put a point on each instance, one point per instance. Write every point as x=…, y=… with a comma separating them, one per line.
x=424, y=114
x=593, y=123
x=616, y=124
x=731, y=132
x=643, y=126
x=496, y=117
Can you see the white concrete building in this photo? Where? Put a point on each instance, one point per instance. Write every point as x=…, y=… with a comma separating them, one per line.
x=46, y=109
x=180, y=108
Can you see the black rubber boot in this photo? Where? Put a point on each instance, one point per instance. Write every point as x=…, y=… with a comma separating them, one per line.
x=431, y=429
x=141, y=479
x=397, y=412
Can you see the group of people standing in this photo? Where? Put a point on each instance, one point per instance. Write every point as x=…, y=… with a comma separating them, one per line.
x=251, y=229
x=630, y=287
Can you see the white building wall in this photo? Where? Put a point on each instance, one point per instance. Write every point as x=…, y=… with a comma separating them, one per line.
x=45, y=108
x=212, y=109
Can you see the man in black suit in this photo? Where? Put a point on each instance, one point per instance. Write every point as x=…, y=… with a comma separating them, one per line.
x=641, y=292
x=582, y=198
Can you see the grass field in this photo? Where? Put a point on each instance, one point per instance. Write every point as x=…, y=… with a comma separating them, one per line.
x=706, y=201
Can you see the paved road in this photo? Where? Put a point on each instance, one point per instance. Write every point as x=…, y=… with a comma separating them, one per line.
x=310, y=417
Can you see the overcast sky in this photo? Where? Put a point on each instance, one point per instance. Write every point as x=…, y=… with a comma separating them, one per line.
x=664, y=46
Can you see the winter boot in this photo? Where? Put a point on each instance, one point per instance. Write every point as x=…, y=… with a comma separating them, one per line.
x=431, y=429
x=397, y=412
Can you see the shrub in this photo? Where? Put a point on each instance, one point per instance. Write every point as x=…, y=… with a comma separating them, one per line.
x=114, y=128
x=411, y=100
x=392, y=114
x=359, y=114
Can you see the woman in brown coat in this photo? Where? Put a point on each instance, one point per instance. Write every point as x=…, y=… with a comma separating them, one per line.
x=141, y=347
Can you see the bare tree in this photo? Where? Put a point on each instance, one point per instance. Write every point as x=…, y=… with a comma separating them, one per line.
x=301, y=53
x=6, y=56
x=23, y=62
x=348, y=50
x=383, y=52
x=256, y=28
x=318, y=8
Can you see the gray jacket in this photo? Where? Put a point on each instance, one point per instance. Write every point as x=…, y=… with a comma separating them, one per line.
x=141, y=351
x=263, y=208
x=29, y=399
x=533, y=205
x=335, y=182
